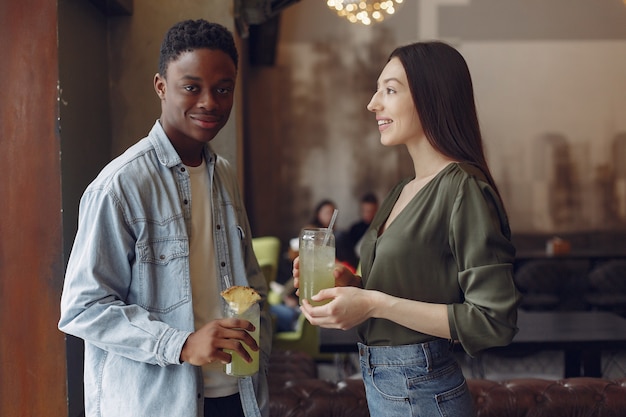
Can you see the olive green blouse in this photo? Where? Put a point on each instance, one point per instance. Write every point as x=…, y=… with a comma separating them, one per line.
x=450, y=245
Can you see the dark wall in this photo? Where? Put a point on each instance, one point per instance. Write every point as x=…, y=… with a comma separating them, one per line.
x=85, y=135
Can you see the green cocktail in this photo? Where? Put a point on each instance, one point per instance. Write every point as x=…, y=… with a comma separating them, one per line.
x=317, y=261
x=238, y=366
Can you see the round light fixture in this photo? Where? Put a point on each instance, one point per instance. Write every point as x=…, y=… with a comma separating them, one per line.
x=365, y=12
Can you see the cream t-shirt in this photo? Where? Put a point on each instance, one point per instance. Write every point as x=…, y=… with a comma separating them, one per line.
x=204, y=282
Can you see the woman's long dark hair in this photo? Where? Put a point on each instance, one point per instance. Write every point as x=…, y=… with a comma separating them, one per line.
x=443, y=94
x=315, y=220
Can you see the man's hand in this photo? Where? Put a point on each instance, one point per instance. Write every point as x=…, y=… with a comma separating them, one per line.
x=207, y=344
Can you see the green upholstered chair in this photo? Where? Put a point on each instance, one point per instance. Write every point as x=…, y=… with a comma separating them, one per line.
x=267, y=251
x=304, y=339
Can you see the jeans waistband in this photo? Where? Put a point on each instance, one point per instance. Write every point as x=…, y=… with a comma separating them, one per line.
x=425, y=354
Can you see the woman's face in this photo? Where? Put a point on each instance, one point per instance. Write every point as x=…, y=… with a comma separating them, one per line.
x=397, y=117
x=325, y=214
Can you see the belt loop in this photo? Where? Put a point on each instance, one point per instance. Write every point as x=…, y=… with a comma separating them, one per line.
x=364, y=353
x=427, y=356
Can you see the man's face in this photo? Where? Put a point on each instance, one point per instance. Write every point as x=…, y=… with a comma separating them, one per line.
x=196, y=98
x=368, y=211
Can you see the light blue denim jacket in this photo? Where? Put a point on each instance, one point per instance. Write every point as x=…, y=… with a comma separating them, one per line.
x=127, y=289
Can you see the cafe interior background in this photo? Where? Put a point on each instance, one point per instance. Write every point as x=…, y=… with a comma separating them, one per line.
x=550, y=86
x=550, y=89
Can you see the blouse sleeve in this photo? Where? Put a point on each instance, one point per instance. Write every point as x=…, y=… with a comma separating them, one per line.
x=480, y=241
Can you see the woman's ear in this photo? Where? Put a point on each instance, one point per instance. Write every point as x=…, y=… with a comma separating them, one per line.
x=159, y=85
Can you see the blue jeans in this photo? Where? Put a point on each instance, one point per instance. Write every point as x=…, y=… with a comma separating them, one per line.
x=422, y=380
x=286, y=317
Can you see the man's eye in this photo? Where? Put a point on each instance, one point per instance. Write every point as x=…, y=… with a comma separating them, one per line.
x=224, y=90
x=190, y=88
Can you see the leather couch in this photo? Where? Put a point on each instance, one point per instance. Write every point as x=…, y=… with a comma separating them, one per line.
x=295, y=391
x=572, y=283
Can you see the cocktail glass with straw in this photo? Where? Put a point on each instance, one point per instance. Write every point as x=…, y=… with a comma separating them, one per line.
x=317, y=260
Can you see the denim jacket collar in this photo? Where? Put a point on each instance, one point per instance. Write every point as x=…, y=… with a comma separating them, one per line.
x=165, y=151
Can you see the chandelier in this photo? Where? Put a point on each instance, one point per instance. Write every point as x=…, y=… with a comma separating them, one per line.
x=364, y=11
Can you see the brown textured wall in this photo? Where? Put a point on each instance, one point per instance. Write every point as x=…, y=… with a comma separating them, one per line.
x=310, y=137
x=32, y=360
x=549, y=95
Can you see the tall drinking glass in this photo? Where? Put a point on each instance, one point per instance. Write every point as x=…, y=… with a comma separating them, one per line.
x=317, y=261
x=238, y=366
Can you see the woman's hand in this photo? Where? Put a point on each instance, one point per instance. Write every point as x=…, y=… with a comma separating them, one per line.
x=343, y=276
x=349, y=306
x=295, y=272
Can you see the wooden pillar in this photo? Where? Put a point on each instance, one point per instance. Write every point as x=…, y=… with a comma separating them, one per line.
x=32, y=350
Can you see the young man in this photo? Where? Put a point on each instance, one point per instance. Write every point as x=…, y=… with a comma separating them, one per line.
x=367, y=209
x=162, y=230
x=349, y=242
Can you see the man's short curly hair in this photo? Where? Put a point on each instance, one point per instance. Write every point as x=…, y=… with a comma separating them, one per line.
x=194, y=34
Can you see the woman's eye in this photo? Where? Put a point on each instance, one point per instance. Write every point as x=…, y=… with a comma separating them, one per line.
x=390, y=90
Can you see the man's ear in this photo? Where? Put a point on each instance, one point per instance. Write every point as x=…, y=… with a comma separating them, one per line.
x=159, y=85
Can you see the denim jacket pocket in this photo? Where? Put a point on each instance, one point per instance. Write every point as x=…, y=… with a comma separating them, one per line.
x=163, y=282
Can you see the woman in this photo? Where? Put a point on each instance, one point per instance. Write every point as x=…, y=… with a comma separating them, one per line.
x=437, y=258
x=322, y=214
